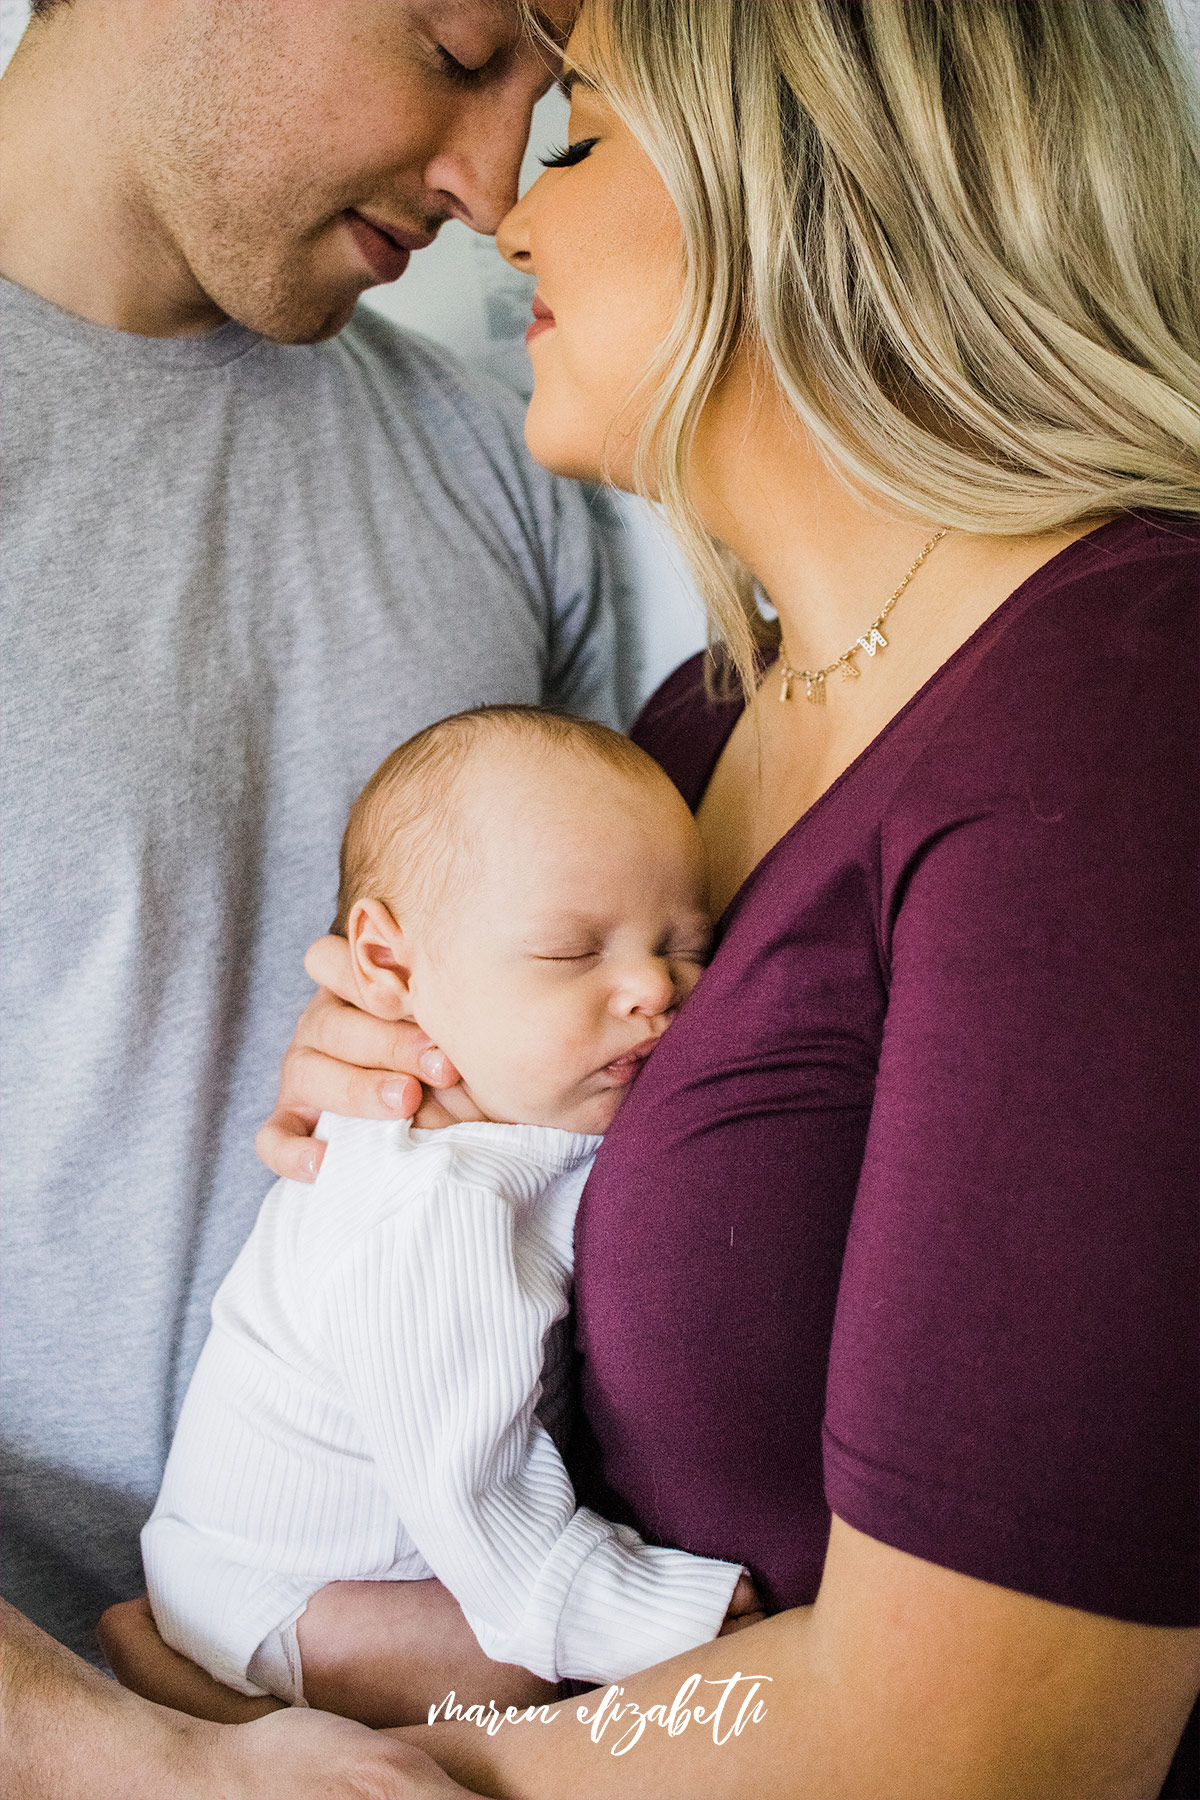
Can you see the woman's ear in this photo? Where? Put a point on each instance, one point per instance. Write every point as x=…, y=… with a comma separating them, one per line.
x=379, y=957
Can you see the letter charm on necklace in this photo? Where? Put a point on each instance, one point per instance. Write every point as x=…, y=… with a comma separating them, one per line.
x=872, y=641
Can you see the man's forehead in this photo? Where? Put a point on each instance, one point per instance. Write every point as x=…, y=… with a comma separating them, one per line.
x=555, y=17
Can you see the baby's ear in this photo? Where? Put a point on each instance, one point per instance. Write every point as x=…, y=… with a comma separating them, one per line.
x=378, y=955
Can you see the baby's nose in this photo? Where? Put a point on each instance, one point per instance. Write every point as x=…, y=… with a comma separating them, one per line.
x=649, y=988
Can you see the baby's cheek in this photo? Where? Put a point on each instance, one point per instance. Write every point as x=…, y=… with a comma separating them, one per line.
x=556, y=1067
x=535, y=1061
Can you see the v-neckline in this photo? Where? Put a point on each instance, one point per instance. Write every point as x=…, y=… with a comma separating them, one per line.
x=987, y=627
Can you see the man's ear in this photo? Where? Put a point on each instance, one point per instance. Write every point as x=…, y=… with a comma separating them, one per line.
x=379, y=956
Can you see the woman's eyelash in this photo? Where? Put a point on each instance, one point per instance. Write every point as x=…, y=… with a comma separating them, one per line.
x=454, y=70
x=568, y=157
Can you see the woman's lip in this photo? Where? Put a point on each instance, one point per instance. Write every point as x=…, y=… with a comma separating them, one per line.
x=543, y=319
x=383, y=248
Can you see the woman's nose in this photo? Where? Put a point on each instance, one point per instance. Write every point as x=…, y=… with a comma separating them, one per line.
x=512, y=235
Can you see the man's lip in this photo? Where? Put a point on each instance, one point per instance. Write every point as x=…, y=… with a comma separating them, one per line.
x=385, y=248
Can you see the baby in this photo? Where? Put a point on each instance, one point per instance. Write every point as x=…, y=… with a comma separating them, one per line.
x=530, y=890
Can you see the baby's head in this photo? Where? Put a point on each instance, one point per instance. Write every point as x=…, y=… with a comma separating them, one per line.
x=531, y=890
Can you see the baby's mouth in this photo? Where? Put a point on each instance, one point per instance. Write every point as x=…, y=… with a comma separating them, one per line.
x=629, y=1063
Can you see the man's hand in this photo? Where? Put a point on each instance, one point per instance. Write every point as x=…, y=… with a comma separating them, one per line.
x=345, y=1061
x=69, y=1731
x=316, y=1756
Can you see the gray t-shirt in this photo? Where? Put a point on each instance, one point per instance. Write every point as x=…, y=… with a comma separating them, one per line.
x=236, y=575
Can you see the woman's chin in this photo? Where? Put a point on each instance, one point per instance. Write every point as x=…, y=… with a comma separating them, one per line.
x=559, y=449
x=576, y=463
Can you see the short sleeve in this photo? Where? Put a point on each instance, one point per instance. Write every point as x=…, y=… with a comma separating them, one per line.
x=1012, y=1377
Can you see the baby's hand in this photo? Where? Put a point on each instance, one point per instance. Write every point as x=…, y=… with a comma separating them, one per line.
x=745, y=1608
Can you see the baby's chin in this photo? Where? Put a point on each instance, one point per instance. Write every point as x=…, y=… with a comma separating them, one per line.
x=591, y=1114
x=597, y=1113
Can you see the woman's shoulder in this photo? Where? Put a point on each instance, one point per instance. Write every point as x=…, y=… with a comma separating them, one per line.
x=1096, y=649
x=1133, y=569
x=684, y=728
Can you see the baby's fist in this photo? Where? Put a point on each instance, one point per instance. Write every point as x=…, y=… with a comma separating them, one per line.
x=745, y=1607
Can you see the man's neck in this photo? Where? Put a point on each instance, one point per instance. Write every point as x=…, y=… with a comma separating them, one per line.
x=75, y=226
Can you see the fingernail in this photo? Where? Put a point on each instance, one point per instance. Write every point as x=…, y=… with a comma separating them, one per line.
x=394, y=1093
x=432, y=1064
x=312, y=1162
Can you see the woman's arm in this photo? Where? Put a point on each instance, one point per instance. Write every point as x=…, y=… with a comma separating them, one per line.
x=904, y=1681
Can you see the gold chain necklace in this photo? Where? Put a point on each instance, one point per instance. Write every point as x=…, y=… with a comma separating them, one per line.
x=871, y=641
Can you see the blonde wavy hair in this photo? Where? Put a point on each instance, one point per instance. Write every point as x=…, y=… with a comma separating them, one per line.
x=963, y=234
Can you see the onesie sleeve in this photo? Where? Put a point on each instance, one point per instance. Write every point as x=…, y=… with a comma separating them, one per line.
x=435, y=1323
x=1011, y=1385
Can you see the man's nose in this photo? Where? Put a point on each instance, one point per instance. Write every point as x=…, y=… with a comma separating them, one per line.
x=475, y=177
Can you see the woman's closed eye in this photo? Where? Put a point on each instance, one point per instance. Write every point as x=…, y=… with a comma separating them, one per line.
x=570, y=155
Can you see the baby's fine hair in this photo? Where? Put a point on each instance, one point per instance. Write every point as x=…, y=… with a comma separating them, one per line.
x=397, y=838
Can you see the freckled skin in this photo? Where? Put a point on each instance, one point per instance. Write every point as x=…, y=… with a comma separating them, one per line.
x=248, y=128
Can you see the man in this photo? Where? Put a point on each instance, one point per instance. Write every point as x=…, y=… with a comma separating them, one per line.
x=245, y=556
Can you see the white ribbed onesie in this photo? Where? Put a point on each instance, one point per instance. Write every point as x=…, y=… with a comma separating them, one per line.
x=363, y=1409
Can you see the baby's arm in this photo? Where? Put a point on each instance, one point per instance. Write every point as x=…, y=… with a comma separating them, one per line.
x=436, y=1322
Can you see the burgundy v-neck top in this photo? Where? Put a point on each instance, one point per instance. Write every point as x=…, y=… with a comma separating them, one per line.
x=899, y=1220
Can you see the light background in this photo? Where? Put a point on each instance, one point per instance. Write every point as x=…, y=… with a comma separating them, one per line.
x=462, y=293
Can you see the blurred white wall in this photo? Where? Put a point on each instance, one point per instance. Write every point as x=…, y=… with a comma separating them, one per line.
x=461, y=292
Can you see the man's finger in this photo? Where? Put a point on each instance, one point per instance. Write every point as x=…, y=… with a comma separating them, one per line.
x=328, y=964
x=349, y=1035
x=317, y=1083
x=286, y=1145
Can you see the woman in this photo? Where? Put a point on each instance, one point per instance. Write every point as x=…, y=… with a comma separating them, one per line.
x=879, y=1277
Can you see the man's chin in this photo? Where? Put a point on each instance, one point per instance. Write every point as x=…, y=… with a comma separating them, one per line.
x=291, y=317
x=304, y=327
